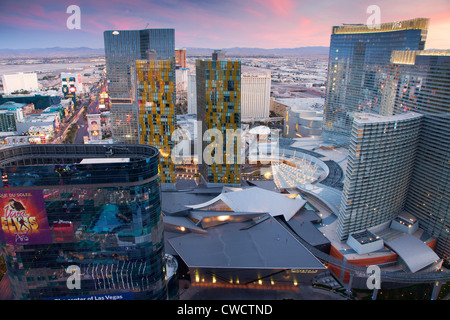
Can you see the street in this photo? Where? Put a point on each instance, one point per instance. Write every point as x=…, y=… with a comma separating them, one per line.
x=79, y=119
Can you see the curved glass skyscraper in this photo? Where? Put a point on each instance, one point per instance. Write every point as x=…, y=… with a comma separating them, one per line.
x=381, y=160
x=419, y=81
x=82, y=222
x=357, y=70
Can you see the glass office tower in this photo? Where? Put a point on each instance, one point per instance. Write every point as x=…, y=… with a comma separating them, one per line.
x=419, y=81
x=219, y=107
x=91, y=208
x=357, y=72
x=122, y=49
x=380, y=164
x=155, y=90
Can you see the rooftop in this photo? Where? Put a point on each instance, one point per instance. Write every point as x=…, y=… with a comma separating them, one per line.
x=376, y=118
x=414, y=252
x=262, y=201
x=104, y=160
x=409, y=56
x=238, y=228
x=266, y=245
x=302, y=103
x=413, y=24
x=365, y=237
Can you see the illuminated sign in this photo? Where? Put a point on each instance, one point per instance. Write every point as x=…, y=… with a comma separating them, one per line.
x=99, y=297
x=304, y=270
x=24, y=218
x=73, y=89
x=63, y=231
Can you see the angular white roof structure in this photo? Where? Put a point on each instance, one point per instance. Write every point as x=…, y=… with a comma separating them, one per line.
x=256, y=200
x=416, y=254
x=267, y=245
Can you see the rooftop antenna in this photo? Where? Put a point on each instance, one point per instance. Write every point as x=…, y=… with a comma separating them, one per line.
x=146, y=26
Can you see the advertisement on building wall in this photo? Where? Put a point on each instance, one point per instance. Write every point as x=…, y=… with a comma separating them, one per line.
x=24, y=218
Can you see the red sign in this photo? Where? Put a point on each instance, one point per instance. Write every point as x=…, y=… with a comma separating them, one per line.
x=63, y=231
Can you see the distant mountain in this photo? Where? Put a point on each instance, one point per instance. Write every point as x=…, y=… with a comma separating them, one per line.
x=50, y=52
x=243, y=51
x=190, y=51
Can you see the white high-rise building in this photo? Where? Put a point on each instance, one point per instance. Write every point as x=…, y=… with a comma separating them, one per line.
x=380, y=164
x=192, y=93
x=255, y=96
x=20, y=81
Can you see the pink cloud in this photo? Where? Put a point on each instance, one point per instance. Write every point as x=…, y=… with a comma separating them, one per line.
x=255, y=13
x=253, y=23
x=29, y=23
x=278, y=7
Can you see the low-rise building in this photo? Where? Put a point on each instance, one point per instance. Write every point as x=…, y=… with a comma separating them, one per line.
x=20, y=82
x=303, y=116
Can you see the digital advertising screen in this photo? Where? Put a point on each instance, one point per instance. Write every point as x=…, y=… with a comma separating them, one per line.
x=24, y=218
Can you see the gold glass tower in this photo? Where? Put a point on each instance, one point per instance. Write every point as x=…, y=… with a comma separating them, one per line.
x=155, y=81
x=219, y=107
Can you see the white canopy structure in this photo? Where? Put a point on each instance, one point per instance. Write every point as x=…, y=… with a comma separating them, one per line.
x=254, y=200
x=416, y=254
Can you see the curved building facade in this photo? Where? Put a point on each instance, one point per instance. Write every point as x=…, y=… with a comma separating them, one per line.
x=380, y=164
x=82, y=222
x=357, y=70
x=419, y=82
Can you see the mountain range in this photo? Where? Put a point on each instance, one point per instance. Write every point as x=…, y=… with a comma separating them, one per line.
x=245, y=51
x=55, y=52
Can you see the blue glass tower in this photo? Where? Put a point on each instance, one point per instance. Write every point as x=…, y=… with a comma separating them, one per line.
x=357, y=70
x=122, y=49
x=419, y=81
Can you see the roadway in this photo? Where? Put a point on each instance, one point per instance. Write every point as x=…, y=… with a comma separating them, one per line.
x=61, y=135
x=82, y=131
x=82, y=128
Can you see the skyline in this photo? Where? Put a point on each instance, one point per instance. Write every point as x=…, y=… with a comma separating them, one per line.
x=208, y=24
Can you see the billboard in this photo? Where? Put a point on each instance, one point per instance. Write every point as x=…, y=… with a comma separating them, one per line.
x=24, y=218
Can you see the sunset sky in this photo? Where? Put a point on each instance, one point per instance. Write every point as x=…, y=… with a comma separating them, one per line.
x=209, y=23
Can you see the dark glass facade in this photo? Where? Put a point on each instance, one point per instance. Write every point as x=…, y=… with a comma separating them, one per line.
x=419, y=81
x=104, y=218
x=357, y=70
x=122, y=49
